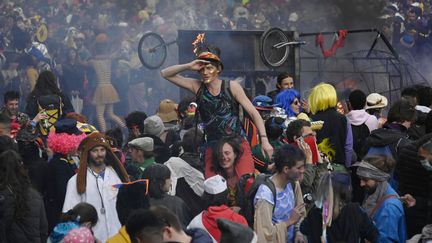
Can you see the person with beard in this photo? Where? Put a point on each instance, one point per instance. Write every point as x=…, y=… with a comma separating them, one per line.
x=63, y=165
x=99, y=169
x=345, y=221
x=382, y=203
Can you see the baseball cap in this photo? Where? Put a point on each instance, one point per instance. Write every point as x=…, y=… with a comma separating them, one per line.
x=215, y=185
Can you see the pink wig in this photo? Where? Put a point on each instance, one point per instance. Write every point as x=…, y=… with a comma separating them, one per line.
x=63, y=143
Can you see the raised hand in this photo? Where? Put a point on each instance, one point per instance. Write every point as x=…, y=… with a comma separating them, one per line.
x=197, y=64
x=305, y=148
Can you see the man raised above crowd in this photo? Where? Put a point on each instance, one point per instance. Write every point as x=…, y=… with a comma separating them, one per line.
x=218, y=103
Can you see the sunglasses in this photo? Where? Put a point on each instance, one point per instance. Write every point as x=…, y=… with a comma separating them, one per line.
x=296, y=102
x=141, y=182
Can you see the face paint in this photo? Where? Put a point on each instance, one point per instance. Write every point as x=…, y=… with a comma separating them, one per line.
x=209, y=73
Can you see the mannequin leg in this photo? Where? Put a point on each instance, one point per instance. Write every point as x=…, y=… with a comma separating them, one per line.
x=112, y=116
x=100, y=110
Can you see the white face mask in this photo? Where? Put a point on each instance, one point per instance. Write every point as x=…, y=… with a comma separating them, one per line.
x=426, y=164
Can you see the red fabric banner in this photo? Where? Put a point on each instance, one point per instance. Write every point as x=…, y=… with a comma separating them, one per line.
x=340, y=42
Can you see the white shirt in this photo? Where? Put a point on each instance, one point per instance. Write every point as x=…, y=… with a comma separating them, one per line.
x=108, y=223
x=181, y=169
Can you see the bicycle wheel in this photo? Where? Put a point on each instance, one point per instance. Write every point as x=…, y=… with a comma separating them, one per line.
x=152, y=50
x=270, y=55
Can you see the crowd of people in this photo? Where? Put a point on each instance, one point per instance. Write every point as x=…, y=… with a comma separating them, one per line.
x=408, y=26
x=69, y=44
x=217, y=166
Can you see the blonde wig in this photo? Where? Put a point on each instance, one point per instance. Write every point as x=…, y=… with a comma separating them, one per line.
x=322, y=97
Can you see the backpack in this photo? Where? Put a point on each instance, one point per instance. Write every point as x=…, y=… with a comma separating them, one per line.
x=246, y=189
x=359, y=133
x=53, y=106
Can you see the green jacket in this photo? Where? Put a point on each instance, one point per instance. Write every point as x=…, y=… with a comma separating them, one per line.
x=260, y=161
x=135, y=169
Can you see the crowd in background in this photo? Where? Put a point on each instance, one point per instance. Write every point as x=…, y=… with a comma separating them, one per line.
x=284, y=168
x=73, y=26
x=333, y=175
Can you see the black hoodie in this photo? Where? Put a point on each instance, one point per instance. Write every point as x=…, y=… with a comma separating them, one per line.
x=414, y=179
x=392, y=135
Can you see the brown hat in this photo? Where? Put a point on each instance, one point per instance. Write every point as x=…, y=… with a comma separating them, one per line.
x=94, y=140
x=167, y=110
